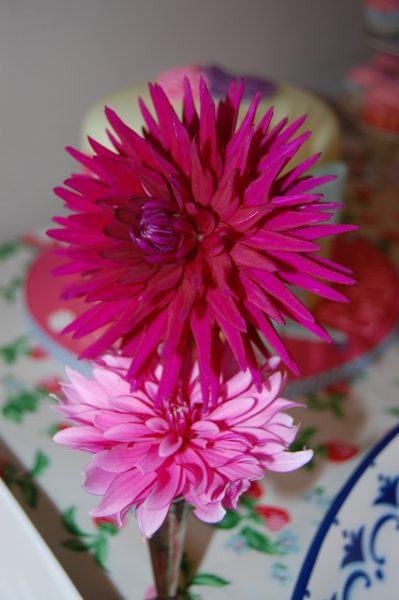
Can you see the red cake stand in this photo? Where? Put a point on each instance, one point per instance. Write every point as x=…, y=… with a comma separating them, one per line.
x=361, y=328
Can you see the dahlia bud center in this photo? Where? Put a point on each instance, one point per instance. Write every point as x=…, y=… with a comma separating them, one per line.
x=165, y=234
x=156, y=229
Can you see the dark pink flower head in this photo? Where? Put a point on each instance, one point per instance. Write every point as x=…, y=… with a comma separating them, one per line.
x=193, y=237
x=148, y=452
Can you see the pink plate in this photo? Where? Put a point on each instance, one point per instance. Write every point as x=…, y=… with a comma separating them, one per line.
x=359, y=328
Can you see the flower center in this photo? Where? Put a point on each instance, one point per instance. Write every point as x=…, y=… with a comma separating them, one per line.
x=156, y=230
x=178, y=414
x=164, y=233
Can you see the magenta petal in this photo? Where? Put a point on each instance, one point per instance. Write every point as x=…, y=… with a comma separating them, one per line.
x=316, y=267
x=313, y=285
x=309, y=183
x=226, y=308
x=270, y=335
x=149, y=119
x=166, y=225
x=150, y=339
x=290, y=219
x=201, y=329
x=272, y=240
x=281, y=293
x=321, y=231
x=234, y=338
x=299, y=170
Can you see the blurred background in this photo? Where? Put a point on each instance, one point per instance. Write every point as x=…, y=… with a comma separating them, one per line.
x=57, y=58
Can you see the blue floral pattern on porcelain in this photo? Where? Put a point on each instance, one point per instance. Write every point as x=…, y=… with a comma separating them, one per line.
x=355, y=553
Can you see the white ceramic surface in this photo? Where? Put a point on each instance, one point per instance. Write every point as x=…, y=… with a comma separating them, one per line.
x=28, y=569
x=355, y=553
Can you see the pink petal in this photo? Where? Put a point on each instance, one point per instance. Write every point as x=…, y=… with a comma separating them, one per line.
x=105, y=419
x=124, y=491
x=128, y=432
x=289, y=461
x=96, y=480
x=169, y=445
x=206, y=428
x=149, y=521
x=238, y=384
x=231, y=409
x=157, y=425
x=242, y=470
x=150, y=460
x=120, y=458
x=165, y=489
x=210, y=513
x=84, y=438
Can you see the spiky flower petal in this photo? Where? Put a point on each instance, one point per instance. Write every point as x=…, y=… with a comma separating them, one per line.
x=193, y=236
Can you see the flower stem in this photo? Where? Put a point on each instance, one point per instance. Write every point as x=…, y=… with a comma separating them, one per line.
x=166, y=550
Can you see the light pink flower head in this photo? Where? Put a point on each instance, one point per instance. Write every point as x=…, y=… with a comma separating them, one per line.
x=194, y=235
x=148, y=452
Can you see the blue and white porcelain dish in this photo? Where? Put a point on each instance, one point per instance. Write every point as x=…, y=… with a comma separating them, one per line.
x=355, y=553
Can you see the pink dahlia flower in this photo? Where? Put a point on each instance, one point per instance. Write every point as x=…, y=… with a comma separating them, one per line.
x=149, y=452
x=191, y=236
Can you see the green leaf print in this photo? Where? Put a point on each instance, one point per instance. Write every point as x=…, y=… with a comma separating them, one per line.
x=29, y=491
x=96, y=543
x=69, y=522
x=25, y=480
x=9, y=353
x=9, y=292
x=108, y=528
x=8, y=248
x=40, y=465
x=208, y=579
x=76, y=545
x=393, y=411
x=19, y=403
x=259, y=541
x=100, y=551
x=327, y=402
x=230, y=520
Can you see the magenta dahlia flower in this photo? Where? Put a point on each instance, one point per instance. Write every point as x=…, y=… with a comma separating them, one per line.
x=191, y=237
x=149, y=452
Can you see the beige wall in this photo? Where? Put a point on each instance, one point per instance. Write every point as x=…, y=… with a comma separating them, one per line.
x=58, y=56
